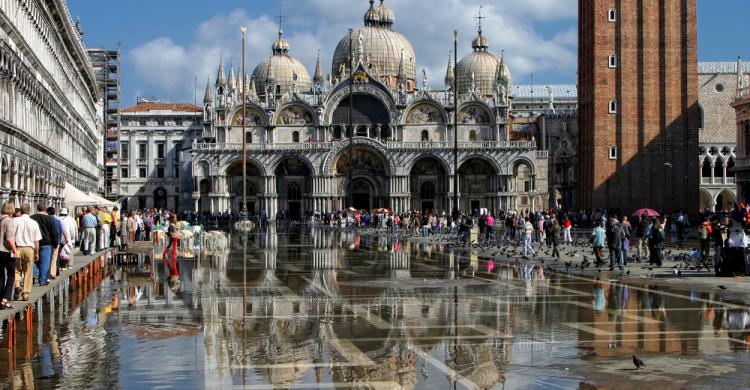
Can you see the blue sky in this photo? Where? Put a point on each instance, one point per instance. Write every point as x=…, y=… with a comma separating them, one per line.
x=166, y=44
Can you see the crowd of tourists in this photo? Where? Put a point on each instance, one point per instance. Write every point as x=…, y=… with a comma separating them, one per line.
x=34, y=248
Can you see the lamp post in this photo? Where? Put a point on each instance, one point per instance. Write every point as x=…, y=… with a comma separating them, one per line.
x=351, y=119
x=243, y=209
x=456, y=211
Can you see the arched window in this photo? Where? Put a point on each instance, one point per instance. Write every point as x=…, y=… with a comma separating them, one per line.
x=248, y=137
x=719, y=168
x=337, y=132
x=613, y=152
x=706, y=169
x=425, y=136
x=472, y=136
x=295, y=137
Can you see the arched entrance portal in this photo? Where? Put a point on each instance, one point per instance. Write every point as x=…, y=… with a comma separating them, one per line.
x=160, y=198
x=478, y=185
x=725, y=201
x=205, y=202
x=429, y=185
x=294, y=185
x=369, y=174
x=234, y=185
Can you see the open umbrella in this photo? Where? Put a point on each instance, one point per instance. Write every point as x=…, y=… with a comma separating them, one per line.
x=646, y=212
x=351, y=209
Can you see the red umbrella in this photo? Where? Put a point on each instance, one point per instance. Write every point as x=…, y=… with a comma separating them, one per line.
x=646, y=212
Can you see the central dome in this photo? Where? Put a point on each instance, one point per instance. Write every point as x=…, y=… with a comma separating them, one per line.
x=382, y=48
x=483, y=67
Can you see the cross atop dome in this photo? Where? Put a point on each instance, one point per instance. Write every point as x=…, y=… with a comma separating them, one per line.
x=480, y=18
x=281, y=46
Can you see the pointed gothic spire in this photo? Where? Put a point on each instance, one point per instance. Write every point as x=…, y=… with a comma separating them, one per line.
x=232, y=81
x=402, y=68
x=220, y=78
x=207, y=98
x=740, y=75
x=252, y=93
x=449, y=74
x=318, y=77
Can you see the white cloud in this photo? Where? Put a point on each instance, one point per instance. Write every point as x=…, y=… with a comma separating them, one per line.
x=166, y=69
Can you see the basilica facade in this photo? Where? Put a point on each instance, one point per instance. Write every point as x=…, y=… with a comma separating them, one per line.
x=301, y=152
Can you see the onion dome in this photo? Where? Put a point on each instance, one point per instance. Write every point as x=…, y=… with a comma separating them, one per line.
x=382, y=49
x=372, y=17
x=480, y=68
x=283, y=72
x=387, y=16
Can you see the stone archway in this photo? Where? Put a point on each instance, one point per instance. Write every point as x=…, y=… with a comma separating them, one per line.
x=478, y=185
x=364, y=164
x=429, y=183
x=294, y=187
x=725, y=201
x=234, y=186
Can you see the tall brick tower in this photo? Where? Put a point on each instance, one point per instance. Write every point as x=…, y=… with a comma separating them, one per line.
x=638, y=105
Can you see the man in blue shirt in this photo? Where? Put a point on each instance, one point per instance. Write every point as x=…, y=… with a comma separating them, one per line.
x=88, y=223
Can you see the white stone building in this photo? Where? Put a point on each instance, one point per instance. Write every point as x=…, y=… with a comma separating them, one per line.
x=154, y=158
x=403, y=137
x=49, y=128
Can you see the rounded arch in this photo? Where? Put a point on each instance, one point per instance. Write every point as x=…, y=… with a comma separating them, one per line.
x=475, y=113
x=446, y=167
x=296, y=114
x=255, y=116
x=341, y=95
x=202, y=169
x=488, y=159
x=477, y=165
x=367, y=110
x=706, y=200
x=424, y=111
x=725, y=200
x=284, y=159
x=519, y=161
x=341, y=148
x=235, y=167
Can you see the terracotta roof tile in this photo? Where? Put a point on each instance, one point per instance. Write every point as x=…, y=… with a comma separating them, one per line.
x=158, y=106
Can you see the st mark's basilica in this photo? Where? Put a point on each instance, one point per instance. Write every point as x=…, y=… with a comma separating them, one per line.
x=402, y=157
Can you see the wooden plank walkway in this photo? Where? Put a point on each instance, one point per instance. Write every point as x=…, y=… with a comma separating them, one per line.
x=82, y=267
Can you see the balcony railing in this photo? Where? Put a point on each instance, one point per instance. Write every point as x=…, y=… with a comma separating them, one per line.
x=542, y=154
x=142, y=161
x=390, y=144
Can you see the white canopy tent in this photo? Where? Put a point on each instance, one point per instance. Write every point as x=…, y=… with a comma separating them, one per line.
x=99, y=201
x=76, y=198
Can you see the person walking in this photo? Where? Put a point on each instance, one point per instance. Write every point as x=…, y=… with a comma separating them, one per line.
x=554, y=237
x=567, y=227
x=597, y=242
x=7, y=251
x=642, y=233
x=719, y=235
x=26, y=238
x=614, y=243
x=70, y=232
x=658, y=236
x=53, y=269
x=626, y=231
x=105, y=221
x=704, y=237
x=46, y=244
x=528, y=231
x=114, y=227
x=174, y=242
x=88, y=223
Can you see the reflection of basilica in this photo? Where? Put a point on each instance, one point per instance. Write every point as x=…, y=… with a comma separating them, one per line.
x=403, y=139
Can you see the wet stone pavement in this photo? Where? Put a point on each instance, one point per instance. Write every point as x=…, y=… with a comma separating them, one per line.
x=303, y=307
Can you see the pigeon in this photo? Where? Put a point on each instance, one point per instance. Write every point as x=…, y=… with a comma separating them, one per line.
x=638, y=362
x=723, y=287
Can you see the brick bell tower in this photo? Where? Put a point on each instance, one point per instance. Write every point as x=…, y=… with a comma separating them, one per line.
x=638, y=105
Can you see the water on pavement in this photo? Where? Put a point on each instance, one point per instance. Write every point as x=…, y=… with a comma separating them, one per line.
x=303, y=307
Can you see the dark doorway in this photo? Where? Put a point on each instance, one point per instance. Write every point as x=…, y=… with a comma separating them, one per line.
x=160, y=198
x=295, y=210
x=362, y=201
x=428, y=206
x=475, y=205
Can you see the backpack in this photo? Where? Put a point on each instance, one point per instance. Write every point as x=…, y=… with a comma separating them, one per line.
x=702, y=232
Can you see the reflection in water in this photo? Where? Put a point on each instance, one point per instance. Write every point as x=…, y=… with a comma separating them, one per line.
x=305, y=306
